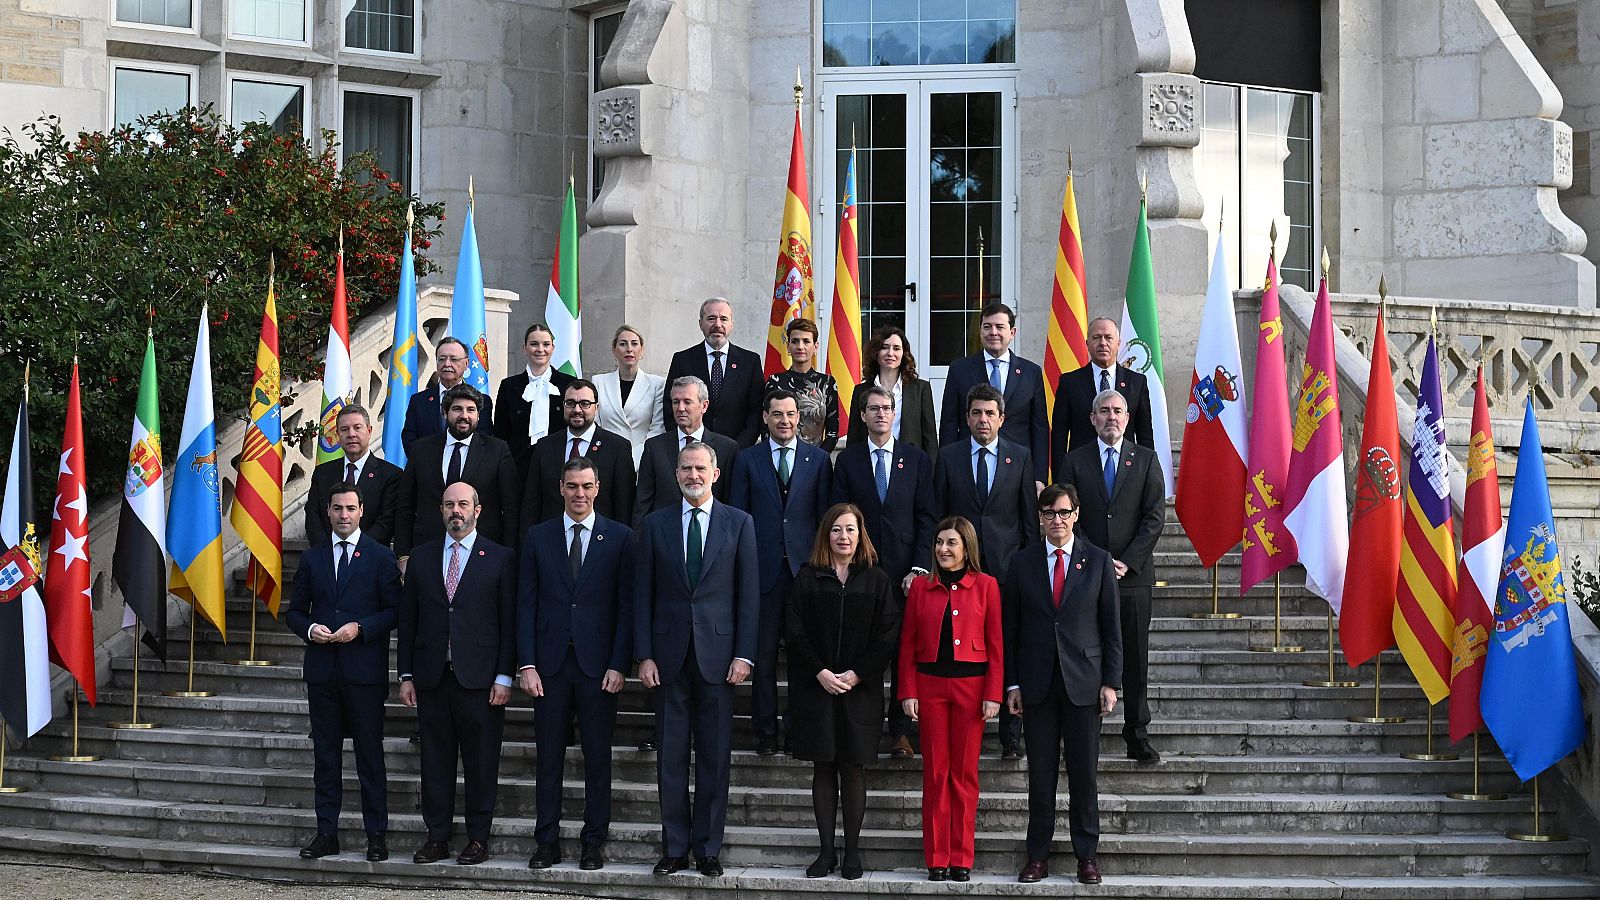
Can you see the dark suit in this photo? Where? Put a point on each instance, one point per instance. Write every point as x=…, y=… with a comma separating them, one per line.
x=347, y=683
x=1060, y=656
x=571, y=631
x=453, y=652
x=693, y=632
x=424, y=416
x=915, y=412
x=736, y=409
x=612, y=456
x=380, y=498
x=1027, y=423
x=511, y=414
x=658, y=471
x=786, y=520
x=1126, y=524
x=488, y=468
x=1075, y=392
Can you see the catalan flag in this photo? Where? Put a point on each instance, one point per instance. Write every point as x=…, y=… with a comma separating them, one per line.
x=1424, y=627
x=1483, y=539
x=258, y=500
x=336, y=370
x=194, y=519
x=793, y=296
x=1066, y=347
x=844, y=321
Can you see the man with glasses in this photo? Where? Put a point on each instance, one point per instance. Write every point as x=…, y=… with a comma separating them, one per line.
x=611, y=453
x=425, y=414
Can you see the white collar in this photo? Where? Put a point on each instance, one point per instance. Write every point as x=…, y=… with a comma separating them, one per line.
x=698, y=434
x=466, y=542
x=710, y=349
x=706, y=508
x=452, y=439
x=992, y=448
x=1050, y=549
x=1004, y=359
x=888, y=445
x=587, y=436
x=1105, y=446
x=792, y=445
x=567, y=521
x=354, y=538
x=361, y=461
x=544, y=377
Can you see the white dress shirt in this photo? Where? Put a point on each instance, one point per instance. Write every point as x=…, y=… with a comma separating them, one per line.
x=568, y=521
x=1111, y=379
x=585, y=438
x=360, y=464
x=450, y=443
x=710, y=359
x=1005, y=367
x=354, y=539
x=444, y=569
x=1050, y=573
x=698, y=435
x=794, y=453
x=888, y=459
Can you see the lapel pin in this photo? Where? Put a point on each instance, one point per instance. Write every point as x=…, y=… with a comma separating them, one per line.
x=901, y=464
x=1127, y=463
x=599, y=537
x=1078, y=566
x=1017, y=370
x=733, y=365
x=480, y=552
x=1008, y=460
x=358, y=554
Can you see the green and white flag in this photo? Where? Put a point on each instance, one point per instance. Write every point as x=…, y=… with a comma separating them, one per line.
x=1141, y=342
x=139, y=563
x=561, y=304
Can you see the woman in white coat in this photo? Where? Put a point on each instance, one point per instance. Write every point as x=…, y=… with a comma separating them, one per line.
x=630, y=400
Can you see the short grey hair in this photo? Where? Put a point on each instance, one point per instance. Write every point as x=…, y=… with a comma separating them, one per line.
x=698, y=447
x=1115, y=326
x=683, y=381
x=1107, y=394
x=710, y=300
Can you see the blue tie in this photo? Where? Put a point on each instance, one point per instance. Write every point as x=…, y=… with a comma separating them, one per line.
x=880, y=474
x=994, y=374
x=983, y=476
x=1111, y=469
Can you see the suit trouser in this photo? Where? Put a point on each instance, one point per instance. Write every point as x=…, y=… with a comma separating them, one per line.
x=1007, y=726
x=568, y=690
x=698, y=714
x=764, y=699
x=1055, y=726
x=458, y=721
x=951, y=713
x=1135, y=663
x=339, y=710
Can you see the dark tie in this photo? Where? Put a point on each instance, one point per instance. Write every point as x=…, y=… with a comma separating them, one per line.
x=691, y=562
x=573, y=453
x=1110, y=470
x=881, y=475
x=1105, y=380
x=783, y=466
x=344, y=561
x=453, y=474
x=983, y=476
x=1059, y=578
x=716, y=376
x=994, y=374
x=687, y=440
x=350, y=472
x=575, y=554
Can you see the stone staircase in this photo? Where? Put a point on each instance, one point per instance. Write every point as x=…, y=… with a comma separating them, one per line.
x=1265, y=789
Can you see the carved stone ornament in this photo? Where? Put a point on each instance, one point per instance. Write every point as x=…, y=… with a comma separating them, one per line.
x=617, y=120
x=1563, y=165
x=1169, y=115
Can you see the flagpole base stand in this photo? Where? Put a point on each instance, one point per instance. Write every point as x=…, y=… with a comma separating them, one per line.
x=1331, y=684
x=77, y=758
x=1376, y=720
x=1215, y=615
x=257, y=663
x=188, y=694
x=1430, y=757
x=1278, y=648
x=1467, y=795
x=12, y=789
x=1543, y=837
x=133, y=726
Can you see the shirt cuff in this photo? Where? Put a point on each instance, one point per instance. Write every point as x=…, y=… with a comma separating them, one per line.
x=405, y=676
x=745, y=661
x=1014, y=687
x=526, y=668
x=308, y=633
x=503, y=680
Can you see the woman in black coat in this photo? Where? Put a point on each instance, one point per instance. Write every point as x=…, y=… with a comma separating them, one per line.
x=841, y=632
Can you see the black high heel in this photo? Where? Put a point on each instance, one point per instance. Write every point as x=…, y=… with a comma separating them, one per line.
x=823, y=865
x=851, y=868
x=938, y=873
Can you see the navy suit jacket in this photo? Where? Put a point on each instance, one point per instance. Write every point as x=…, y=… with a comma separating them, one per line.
x=368, y=593
x=1027, y=422
x=720, y=614
x=782, y=529
x=1128, y=522
x=424, y=417
x=901, y=527
x=1083, y=637
x=480, y=633
x=593, y=614
x=380, y=498
x=1009, y=520
x=1075, y=393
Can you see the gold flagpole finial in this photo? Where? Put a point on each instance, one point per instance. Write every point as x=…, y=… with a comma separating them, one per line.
x=1272, y=240
x=799, y=90
x=1327, y=261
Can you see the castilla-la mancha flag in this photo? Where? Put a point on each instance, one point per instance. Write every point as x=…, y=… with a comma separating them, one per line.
x=1483, y=539
x=793, y=295
x=1215, y=436
x=1314, y=502
x=1268, y=546
x=1365, y=626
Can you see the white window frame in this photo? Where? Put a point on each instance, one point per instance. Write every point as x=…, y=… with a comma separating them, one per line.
x=415, y=96
x=896, y=73
x=594, y=169
x=416, y=37
x=194, y=20
x=306, y=124
x=281, y=42
x=139, y=65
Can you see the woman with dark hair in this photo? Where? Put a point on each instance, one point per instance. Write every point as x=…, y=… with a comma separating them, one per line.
x=841, y=626
x=950, y=680
x=888, y=363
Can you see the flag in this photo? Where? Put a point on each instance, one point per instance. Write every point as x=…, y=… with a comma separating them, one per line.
x=1215, y=434
x=1141, y=342
x=792, y=294
x=139, y=563
x=1424, y=626
x=24, y=640
x=1268, y=546
x=561, y=302
x=194, y=522
x=336, y=369
x=402, y=356
x=1366, y=626
x=258, y=496
x=844, y=320
x=1530, y=680
x=1066, y=346
x=66, y=584
x=467, y=318
x=1314, y=510
x=1483, y=538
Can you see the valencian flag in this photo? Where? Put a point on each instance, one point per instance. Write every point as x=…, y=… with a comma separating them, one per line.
x=844, y=320
x=258, y=497
x=793, y=296
x=139, y=563
x=467, y=316
x=1530, y=680
x=1314, y=498
x=1268, y=546
x=1483, y=539
x=194, y=522
x=24, y=642
x=66, y=584
x=1066, y=346
x=1366, y=622
x=403, y=356
x=1215, y=433
x=561, y=301
x=1424, y=626
x=1141, y=341
x=336, y=370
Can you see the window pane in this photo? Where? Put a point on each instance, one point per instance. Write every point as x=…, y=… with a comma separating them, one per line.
x=963, y=181
x=386, y=25
x=139, y=92
x=171, y=13
x=604, y=30
x=279, y=20
x=918, y=32
x=280, y=105
x=380, y=123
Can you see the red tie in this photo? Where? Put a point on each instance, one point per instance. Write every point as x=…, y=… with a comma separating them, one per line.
x=573, y=453
x=1059, y=579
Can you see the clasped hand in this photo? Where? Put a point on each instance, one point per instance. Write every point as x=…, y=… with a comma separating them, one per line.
x=837, y=683
x=322, y=635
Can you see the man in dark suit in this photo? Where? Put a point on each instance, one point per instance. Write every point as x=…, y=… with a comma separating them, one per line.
x=784, y=484
x=696, y=605
x=427, y=410
x=1021, y=381
x=1076, y=389
x=346, y=597
x=528, y=404
x=1063, y=643
x=575, y=643
x=988, y=480
x=732, y=376
x=379, y=480
x=611, y=453
x=687, y=400
x=1124, y=505
x=456, y=653
x=462, y=454
x=892, y=482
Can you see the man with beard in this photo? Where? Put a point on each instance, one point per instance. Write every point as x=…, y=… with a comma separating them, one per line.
x=461, y=454
x=611, y=454
x=427, y=410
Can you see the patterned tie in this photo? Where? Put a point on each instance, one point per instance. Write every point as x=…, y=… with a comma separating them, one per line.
x=1111, y=469
x=1059, y=577
x=1105, y=380
x=573, y=453
x=691, y=561
x=983, y=476
x=783, y=466
x=575, y=553
x=350, y=472
x=716, y=376
x=994, y=374
x=452, y=575
x=453, y=474
x=881, y=475
x=344, y=561
x=687, y=440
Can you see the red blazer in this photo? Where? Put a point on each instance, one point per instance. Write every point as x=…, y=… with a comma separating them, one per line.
x=975, y=627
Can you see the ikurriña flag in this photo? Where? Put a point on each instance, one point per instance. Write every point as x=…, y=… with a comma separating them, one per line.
x=1424, y=627
x=1366, y=626
x=66, y=584
x=1483, y=539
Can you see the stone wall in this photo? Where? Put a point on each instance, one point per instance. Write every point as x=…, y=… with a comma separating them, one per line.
x=52, y=61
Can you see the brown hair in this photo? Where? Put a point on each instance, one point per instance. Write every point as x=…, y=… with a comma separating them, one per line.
x=822, y=551
x=869, y=362
x=969, y=541
x=806, y=325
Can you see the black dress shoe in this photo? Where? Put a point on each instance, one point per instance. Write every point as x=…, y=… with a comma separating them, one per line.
x=1011, y=750
x=709, y=866
x=432, y=851
x=648, y=747
x=823, y=865
x=852, y=868
x=592, y=856
x=377, y=848
x=938, y=873
x=767, y=746
x=473, y=853
x=320, y=846
x=1142, y=751
x=670, y=864
x=545, y=855
x=960, y=873
x=1088, y=871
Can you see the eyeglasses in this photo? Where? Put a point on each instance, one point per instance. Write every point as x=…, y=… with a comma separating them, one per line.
x=1056, y=513
x=876, y=410
x=450, y=359
x=579, y=404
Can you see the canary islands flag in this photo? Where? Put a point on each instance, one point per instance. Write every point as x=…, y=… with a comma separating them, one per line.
x=194, y=520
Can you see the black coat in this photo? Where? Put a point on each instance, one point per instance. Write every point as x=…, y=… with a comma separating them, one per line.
x=489, y=468
x=658, y=471
x=511, y=414
x=839, y=627
x=916, y=413
x=380, y=499
x=737, y=410
x=1127, y=523
x=901, y=527
x=1075, y=392
x=612, y=456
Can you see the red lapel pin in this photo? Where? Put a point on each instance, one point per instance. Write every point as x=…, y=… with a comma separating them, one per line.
x=1008, y=460
x=1078, y=566
x=358, y=554
x=900, y=465
x=480, y=552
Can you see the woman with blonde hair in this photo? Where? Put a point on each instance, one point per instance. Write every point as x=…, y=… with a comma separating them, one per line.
x=630, y=399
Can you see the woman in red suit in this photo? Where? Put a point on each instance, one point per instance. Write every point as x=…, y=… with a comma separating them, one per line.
x=950, y=682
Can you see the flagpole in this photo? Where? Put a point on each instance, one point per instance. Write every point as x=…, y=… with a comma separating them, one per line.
x=75, y=756
x=1477, y=788
x=1215, y=602
x=1538, y=834
x=255, y=603
x=1377, y=717
x=1428, y=755
x=7, y=788
x=194, y=623
x=1277, y=646
x=134, y=723
x=1332, y=680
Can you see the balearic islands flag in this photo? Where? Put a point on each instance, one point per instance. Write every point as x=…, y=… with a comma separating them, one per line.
x=336, y=370
x=403, y=357
x=1141, y=342
x=139, y=564
x=561, y=310
x=1483, y=538
x=258, y=497
x=1066, y=345
x=1424, y=627
x=66, y=583
x=844, y=320
x=1314, y=509
x=1268, y=546
x=1366, y=626
x=467, y=316
x=194, y=525
x=793, y=295
x=24, y=641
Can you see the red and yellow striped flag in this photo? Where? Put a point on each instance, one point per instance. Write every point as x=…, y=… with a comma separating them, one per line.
x=793, y=296
x=844, y=321
x=1424, y=621
x=258, y=499
x=1066, y=343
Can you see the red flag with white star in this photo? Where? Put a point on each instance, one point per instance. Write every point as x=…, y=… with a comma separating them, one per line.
x=68, y=614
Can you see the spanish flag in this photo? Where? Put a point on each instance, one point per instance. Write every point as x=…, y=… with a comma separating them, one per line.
x=844, y=321
x=793, y=296
x=258, y=500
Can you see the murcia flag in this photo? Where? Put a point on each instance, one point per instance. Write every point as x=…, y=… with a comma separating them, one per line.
x=1483, y=537
x=24, y=642
x=1314, y=501
x=1366, y=626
